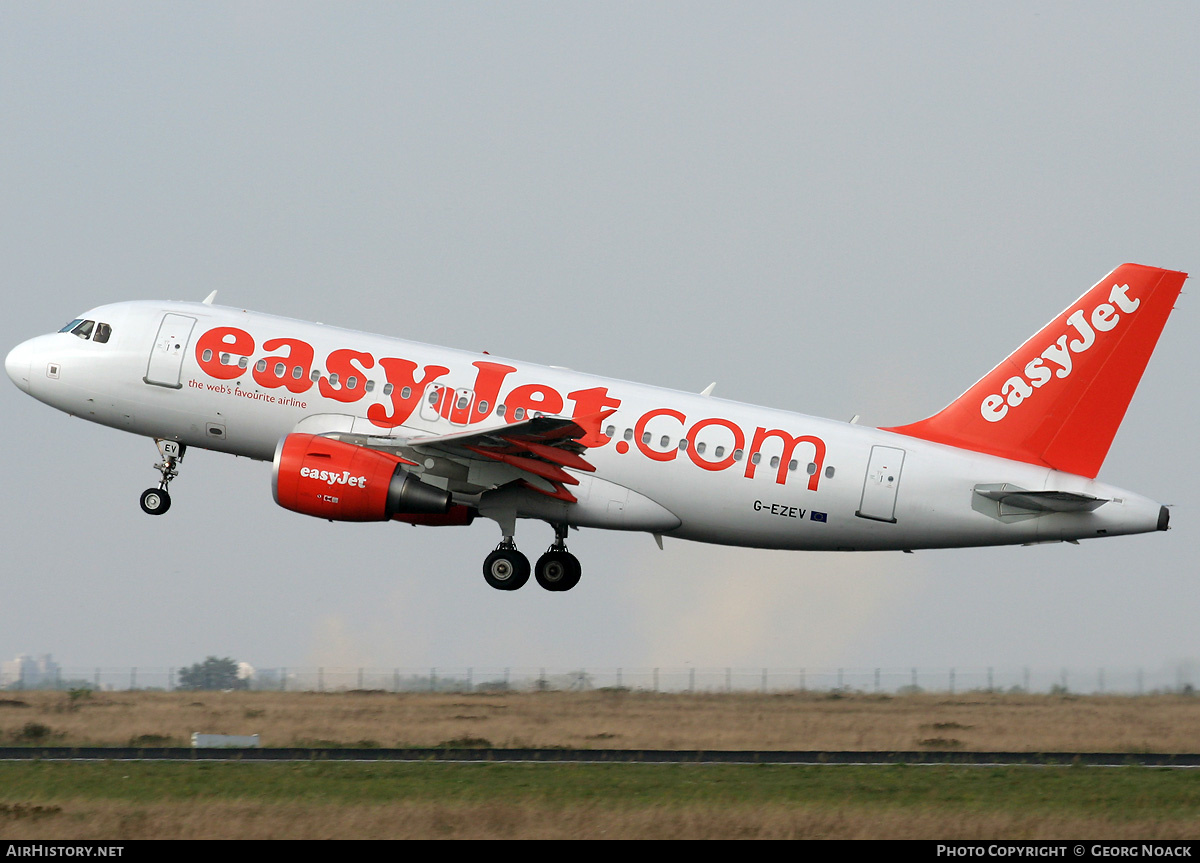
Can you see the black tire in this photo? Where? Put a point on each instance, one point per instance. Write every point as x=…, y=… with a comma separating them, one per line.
x=558, y=571
x=506, y=569
x=155, y=501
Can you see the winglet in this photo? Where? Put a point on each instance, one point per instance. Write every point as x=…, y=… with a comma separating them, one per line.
x=1060, y=397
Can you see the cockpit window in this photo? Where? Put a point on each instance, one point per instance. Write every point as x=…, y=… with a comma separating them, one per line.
x=97, y=332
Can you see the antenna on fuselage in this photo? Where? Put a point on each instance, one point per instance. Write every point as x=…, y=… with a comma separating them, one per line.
x=208, y=301
x=707, y=391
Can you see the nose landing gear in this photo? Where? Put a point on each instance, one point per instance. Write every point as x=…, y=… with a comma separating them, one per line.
x=156, y=501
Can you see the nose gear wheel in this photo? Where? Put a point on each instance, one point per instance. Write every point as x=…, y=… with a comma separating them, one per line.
x=156, y=501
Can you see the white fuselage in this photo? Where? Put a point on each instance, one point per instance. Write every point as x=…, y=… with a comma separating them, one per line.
x=747, y=475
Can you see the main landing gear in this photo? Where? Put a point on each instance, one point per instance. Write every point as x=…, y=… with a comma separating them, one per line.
x=506, y=568
x=556, y=570
x=156, y=501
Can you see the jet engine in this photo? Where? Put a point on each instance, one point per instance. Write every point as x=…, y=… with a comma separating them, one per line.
x=330, y=479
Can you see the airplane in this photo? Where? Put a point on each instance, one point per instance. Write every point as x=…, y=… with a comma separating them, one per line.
x=362, y=427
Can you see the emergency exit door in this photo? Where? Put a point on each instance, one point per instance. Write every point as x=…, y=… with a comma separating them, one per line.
x=881, y=484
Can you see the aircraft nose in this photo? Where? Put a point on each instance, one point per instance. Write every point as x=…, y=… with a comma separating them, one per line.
x=17, y=364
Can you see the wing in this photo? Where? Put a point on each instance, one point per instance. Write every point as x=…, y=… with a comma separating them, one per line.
x=534, y=452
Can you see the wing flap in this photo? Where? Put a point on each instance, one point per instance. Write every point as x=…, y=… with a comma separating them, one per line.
x=531, y=465
x=536, y=451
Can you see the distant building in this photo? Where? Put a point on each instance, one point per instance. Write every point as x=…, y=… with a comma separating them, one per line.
x=30, y=673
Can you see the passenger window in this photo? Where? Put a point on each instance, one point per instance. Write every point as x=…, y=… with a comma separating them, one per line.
x=297, y=372
x=370, y=386
x=260, y=366
x=103, y=331
x=405, y=393
x=387, y=389
x=279, y=370
x=243, y=362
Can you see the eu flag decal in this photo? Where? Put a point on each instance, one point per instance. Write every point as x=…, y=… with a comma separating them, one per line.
x=818, y=516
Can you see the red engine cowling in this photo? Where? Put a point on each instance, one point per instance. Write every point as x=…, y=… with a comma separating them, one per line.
x=330, y=479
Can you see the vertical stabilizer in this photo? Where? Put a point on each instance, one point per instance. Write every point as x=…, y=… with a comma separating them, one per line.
x=1060, y=397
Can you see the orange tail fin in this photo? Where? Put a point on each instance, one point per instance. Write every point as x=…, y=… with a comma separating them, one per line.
x=1059, y=398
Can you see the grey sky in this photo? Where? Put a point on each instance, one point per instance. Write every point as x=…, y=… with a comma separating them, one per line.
x=834, y=208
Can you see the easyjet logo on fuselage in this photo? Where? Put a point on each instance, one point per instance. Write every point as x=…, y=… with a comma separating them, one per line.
x=225, y=353
x=1103, y=319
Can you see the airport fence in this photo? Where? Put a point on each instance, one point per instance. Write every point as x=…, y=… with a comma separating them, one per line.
x=895, y=681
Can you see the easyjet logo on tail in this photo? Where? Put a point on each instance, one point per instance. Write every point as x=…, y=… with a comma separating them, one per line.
x=1058, y=399
x=1056, y=360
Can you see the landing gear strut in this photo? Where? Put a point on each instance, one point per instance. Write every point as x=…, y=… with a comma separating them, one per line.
x=506, y=568
x=558, y=569
x=156, y=501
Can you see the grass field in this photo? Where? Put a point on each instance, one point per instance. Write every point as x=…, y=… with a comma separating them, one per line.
x=143, y=800
x=613, y=719
x=330, y=800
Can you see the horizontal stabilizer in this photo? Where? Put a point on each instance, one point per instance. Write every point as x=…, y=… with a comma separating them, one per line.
x=1039, y=501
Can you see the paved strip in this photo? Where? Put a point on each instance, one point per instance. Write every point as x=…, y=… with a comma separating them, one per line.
x=601, y=756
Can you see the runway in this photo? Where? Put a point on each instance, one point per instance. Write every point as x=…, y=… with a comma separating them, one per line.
x=604, y=756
